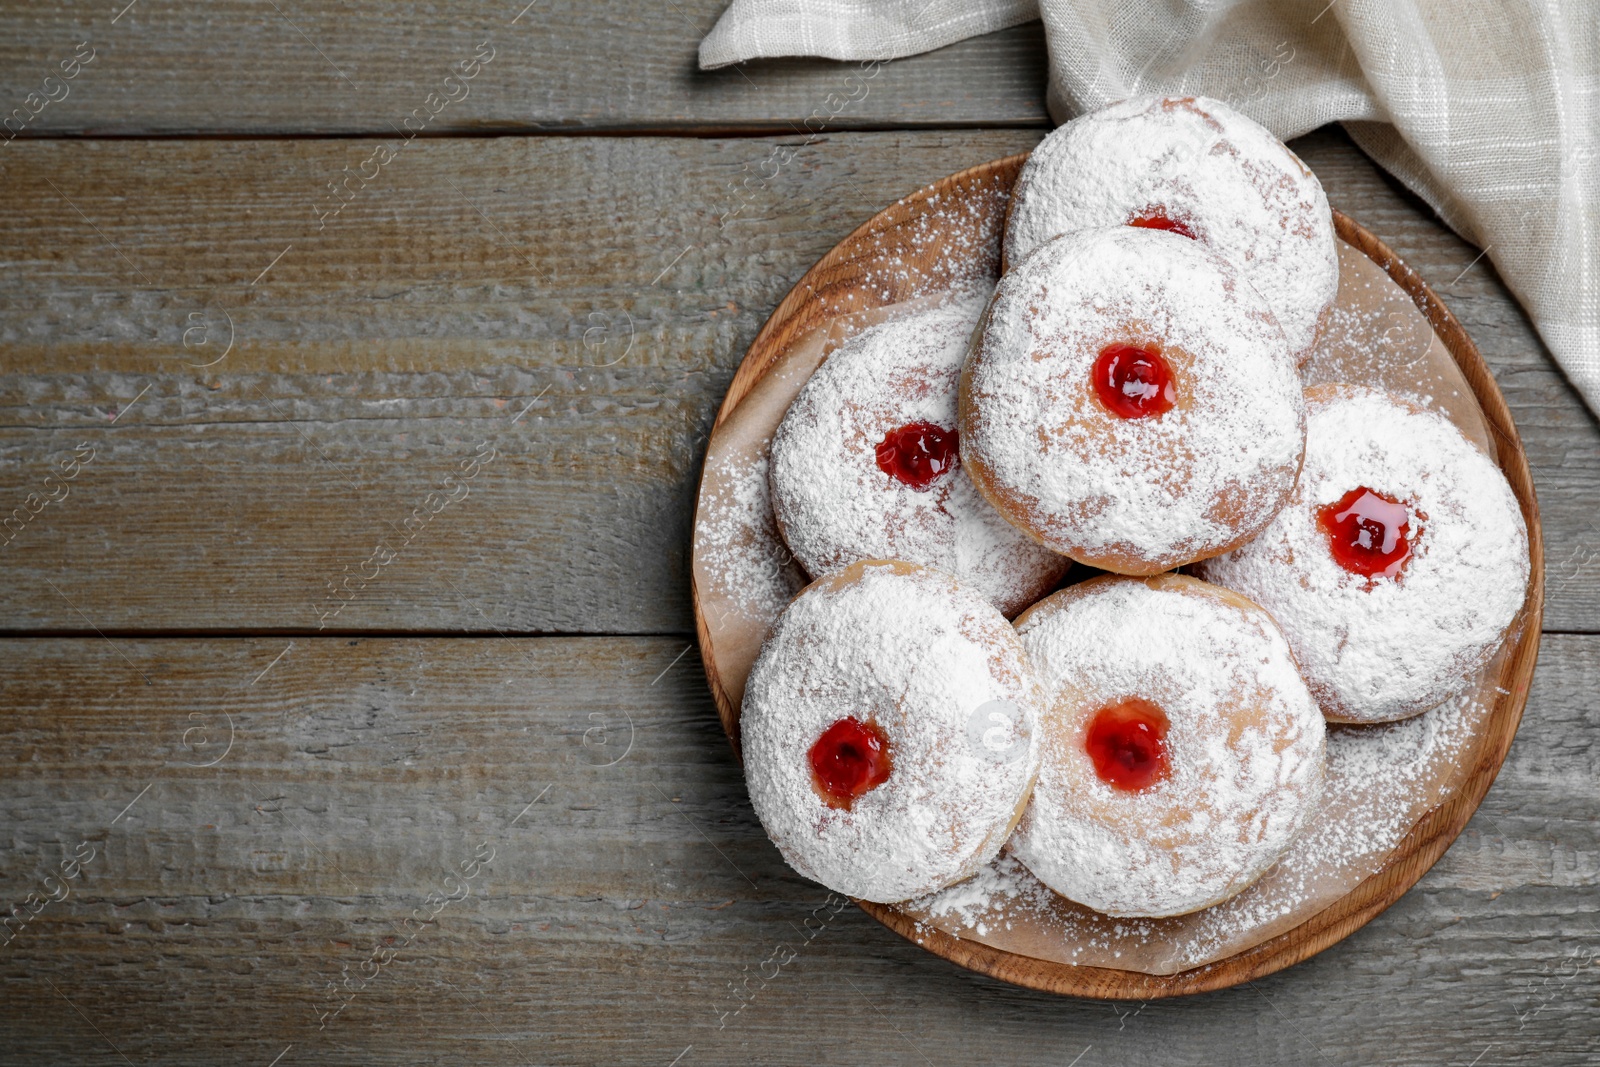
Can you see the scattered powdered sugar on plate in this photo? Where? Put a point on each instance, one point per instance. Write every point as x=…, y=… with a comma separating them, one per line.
x=738, y=538
x=950, y=241
x=1374, y=335
x=1379, y=780
x=989, y=898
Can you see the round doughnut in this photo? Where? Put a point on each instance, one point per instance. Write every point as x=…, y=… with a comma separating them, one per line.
x=1130, y=402
x=865, y=464
x=1199, y=168
x=1182, y=751
x=889, y=731
x=1398, y=563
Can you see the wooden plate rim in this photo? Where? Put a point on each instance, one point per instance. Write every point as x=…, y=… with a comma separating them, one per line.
x=1428, y=838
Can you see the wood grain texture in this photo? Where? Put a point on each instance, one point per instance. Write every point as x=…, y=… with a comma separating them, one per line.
x=371, y=359
x=909, y=243
x=237, y=67
x=618, y=909
x=373, y=356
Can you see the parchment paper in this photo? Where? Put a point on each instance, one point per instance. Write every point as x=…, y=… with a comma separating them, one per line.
x=1380, y=779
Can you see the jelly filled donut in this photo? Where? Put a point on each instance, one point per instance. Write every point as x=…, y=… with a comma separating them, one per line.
x=865, y=464
x=1182, y=750
x=889, y=731
x=1398, y=563
x=1197, y=168
x=1131, y=402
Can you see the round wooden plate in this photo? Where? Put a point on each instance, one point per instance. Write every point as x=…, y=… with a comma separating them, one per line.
x=898, y=255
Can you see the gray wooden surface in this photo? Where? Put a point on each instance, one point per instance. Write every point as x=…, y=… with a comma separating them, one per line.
x=272, y=796
x=237, y=66
x=622, y=910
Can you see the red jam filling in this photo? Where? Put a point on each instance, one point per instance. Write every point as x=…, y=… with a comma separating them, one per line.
x=1128, y=743
x=1156, y=219
x=1133, y=381
x=850, y=759
x=1369, y=533
x=918, y=453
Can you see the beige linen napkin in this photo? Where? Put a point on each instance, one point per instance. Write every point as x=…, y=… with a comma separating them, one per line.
x=1488, y=109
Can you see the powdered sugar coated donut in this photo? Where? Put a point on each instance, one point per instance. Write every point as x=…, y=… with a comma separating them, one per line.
x=1223, y=793
x=1199, y=165
x=1376, y=647
x=836, y=505
x=938, y=675
x=1138, y=494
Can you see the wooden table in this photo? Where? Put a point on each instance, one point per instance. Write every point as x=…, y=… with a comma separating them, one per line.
x=349, y=706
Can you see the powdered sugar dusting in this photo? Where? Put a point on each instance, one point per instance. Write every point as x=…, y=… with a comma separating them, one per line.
x=954, y=239
x=1235, y=185
x=739, y=540
x=1383, y=648
x=916, y=654
x=1375, y=335
x=948, y=241
x=835, y=506
x=1134, y=495
x=1245, y=746
x=1379, y=780
x=942, y=239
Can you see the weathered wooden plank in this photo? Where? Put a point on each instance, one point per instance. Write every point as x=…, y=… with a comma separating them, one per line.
x=345, y=67
x=374, y=354
x=617, y=909
x=531, y=294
